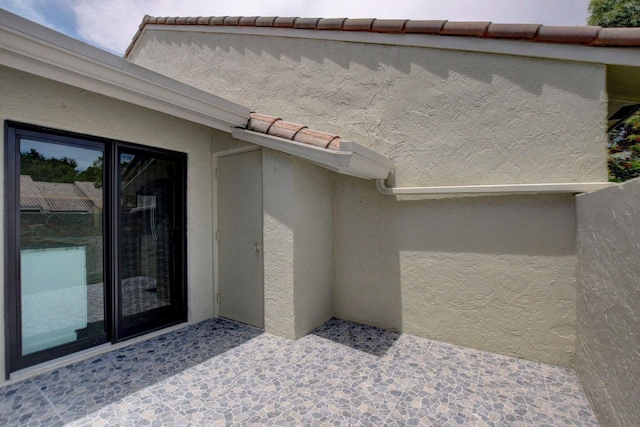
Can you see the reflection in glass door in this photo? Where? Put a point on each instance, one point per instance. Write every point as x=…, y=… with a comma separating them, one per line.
x=61, y=245
x=151, y=291
x=95, y=242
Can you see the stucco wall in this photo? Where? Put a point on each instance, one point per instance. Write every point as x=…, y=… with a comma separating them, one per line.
x=29, y=99
x=608, y=302
x=445, y=117
x=298, y=227
x=312, y=246
x=495, y=273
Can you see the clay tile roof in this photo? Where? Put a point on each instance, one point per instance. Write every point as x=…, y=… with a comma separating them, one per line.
x=358, y=24
x=573, y=35
x=424, y=27
x=618, y=37
x=217, y=20
x=388, y=25
x=331, y=24
x=284, y=22
x=306, y=23
x=476, y=29
x=583, y=35
x=247, y=21
x=275, y=126
x=265, y=21
x=513, y=31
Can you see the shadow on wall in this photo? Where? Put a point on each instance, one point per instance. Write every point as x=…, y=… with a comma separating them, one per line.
x=531, y=75
x=495, y=273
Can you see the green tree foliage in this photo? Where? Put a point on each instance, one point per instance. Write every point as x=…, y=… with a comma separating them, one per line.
x=624, y=149
x=614, y=13
x=63, y=170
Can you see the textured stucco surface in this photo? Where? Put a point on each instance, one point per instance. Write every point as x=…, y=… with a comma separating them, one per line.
x=312, y=246
x=277, y=202
x=29, y=99
x=445, y=117
x=495, y=273
x=298, y=226
x=608, y=302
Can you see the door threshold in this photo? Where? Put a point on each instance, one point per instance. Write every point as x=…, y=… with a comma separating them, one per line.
x=51, y=365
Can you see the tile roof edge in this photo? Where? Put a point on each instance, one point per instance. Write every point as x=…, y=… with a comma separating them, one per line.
x=534, y=33
x=275, y=126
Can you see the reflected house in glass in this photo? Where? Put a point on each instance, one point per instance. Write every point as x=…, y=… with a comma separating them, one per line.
x=61, y=261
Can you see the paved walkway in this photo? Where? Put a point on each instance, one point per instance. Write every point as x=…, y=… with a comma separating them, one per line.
x=221, y=373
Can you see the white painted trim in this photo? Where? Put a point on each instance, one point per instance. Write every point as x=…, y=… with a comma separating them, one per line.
x=32, y=48
x=50, y=365
x=549, y=188
x=567, y=52
x=352, y=159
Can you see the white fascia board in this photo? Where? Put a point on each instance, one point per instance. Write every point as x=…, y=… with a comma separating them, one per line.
x=37, y=50
x=559, y=51
x=352, y=159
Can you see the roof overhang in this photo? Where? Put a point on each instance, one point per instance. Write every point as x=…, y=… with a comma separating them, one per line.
x=32, y=48
x=351, y=159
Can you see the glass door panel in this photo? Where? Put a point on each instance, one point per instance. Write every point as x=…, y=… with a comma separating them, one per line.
x=149, y=253
x=62, y=293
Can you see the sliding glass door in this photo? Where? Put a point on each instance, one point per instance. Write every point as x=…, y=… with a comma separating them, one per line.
x=95, y=242
x=151, y=199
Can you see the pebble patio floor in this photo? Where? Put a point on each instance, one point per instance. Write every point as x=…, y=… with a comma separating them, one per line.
x=222, y=373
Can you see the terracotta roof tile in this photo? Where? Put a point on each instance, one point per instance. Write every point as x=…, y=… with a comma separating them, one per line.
x=618, y=37
x=306, y=23
x=358, y=24
x=513, y=31
x=247, y=21
x=261, y=123
x=572, y=35
x=591, y=36
x=424, y=27
x=285, y=130
x=217, y=20
x=266, y=21
x=477, y=29
x=331, y=24
x=388, y=25
x=284, y=22
x=275, y=126
x=315, y=138
x=232, y=20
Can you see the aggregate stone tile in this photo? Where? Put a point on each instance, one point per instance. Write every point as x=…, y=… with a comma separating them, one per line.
x=22, y=403
x=425, y=407
x=138, y=409
x=513, y=406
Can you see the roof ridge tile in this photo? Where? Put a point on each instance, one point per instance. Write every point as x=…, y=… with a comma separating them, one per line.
x=584, y=35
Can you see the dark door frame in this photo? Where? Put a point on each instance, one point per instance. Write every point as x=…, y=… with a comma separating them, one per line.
x=13, y=132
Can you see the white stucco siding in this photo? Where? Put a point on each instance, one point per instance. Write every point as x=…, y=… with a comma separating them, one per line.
x=313, y=246
x=34, y=100
x=445, y=117
x=608, y=302
x=495, y=273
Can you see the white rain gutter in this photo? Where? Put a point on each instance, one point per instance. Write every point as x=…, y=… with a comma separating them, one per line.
x=550, y=188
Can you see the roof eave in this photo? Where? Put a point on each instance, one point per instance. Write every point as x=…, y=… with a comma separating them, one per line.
x=352, y=159
x=37, y=50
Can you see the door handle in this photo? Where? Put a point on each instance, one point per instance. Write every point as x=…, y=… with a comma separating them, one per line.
x=256, y=247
